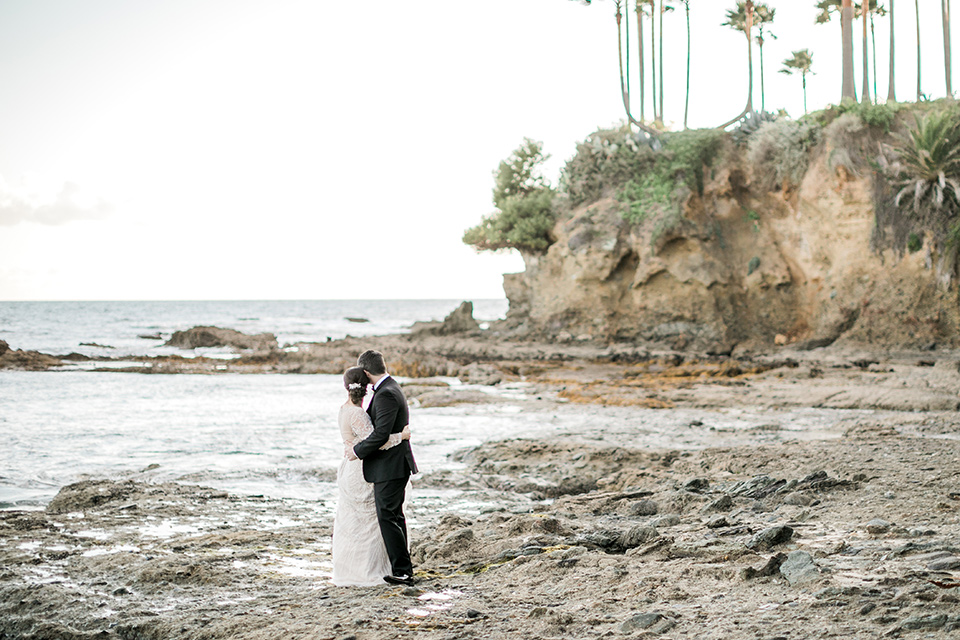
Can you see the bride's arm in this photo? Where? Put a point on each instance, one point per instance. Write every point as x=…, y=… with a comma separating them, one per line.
x=346, y=433
x=360, y=424
x=397, y=438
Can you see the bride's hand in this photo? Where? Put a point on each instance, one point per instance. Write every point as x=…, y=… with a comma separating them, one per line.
x=405, y=433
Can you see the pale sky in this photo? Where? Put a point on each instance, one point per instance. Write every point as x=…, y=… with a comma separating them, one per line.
x=240, y=149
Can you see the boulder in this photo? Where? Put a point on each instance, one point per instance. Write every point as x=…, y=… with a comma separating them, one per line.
x=799, y=567
x=460, y=320
x=218, y=337
x=476, y=373
x=4, y=347
x=770, y=537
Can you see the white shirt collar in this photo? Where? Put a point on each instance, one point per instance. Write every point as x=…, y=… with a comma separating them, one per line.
x=380, y=381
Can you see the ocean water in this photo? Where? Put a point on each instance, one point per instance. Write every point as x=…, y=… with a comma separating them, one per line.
x=277, y=435
x=65, y=327
x=248, y=433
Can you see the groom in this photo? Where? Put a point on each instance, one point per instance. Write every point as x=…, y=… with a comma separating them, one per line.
x=388, y=469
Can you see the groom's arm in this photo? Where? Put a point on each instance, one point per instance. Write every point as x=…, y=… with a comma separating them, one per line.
x=384, y=416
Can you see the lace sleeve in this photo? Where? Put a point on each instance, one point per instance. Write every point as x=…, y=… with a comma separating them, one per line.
x=346, y=432
x=361, y=427
x=392, y=441
x=359, y=423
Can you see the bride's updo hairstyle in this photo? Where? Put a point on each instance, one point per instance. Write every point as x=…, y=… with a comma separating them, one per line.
x=355, y=381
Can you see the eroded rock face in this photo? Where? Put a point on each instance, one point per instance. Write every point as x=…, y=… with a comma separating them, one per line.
x=740, y=267
x=460, y=320
x=218, y=337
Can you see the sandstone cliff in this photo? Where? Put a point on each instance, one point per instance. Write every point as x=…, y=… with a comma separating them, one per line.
x=743, y=267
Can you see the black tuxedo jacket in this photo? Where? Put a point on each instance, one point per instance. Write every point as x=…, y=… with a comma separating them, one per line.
x=388, y=411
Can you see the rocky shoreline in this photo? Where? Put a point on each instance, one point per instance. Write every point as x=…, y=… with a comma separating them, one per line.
x=769, y=532
x=855, y=537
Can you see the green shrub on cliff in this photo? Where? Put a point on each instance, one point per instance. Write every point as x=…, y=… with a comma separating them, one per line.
x=779, y=152
x=880, y=115
x=679, y=164
x=605, y=161
x=639, y=171
x=525, y=215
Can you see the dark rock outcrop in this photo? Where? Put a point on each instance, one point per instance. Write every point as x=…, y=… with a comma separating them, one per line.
x=460, y=321
x=219, y=337
x=25, y=360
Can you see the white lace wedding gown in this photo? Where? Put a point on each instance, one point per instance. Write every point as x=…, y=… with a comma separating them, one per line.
x=359, y=555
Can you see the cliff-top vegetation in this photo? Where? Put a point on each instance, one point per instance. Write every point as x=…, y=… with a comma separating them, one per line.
x=908, y=151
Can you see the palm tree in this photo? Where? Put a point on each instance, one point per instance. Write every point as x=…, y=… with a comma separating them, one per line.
x=945, y=11
x=845, y=9
x=640, y=11
x=763, y=14
x=624, y=76
x=874, y=7
x=624, y=80
x=891, y=90
x=653, y=58
x=686, y=102
x=663, y=9
x=741, y=19
x=865, y=98
x=800, y=63
x=916, y=5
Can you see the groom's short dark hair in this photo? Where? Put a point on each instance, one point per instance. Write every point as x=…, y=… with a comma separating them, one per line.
x=372, y=361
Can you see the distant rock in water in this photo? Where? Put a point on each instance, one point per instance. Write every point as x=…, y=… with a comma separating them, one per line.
x=95, y=344
x=358, y=320
x=150, y=336
x=25, y=360
x=460, y=320
x=218, y=337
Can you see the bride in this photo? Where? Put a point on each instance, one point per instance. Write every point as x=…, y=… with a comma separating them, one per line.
x=359, y=555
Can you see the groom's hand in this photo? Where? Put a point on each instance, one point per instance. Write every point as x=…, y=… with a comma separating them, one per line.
x=349, y=453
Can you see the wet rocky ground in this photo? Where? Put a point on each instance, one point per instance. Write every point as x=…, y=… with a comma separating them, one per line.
x=575, y=537
x=766, y=532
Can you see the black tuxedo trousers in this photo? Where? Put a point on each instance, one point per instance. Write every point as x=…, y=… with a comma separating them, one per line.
x=389, y=470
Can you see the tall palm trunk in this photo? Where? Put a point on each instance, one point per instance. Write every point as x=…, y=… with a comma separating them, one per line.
x=640, y=51
x=662, y=78
x=848, y=90
x=623, y=83
x=763, y=91
x=624, y=91
x=803, y=76
x=916, y=5
x=749, y=33
x=891, y=90
x=865, y=96
x=653, y=59
x=873, y=57
x=945, y=8
x=686, y=103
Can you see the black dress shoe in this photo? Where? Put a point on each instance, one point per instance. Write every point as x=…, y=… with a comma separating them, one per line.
x=407, y=580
